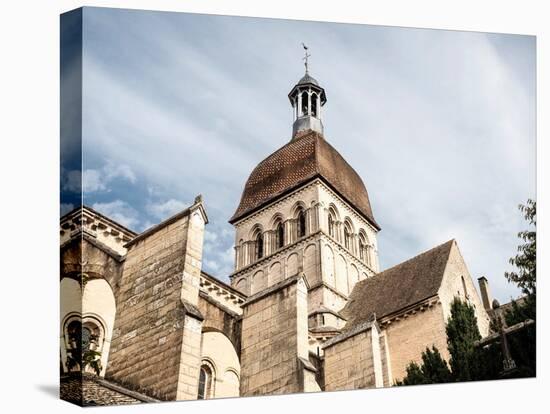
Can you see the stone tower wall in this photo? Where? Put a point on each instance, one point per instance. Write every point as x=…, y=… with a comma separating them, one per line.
x=354, y=362
x=274, y=355
x=156, y=342
x=331, y=270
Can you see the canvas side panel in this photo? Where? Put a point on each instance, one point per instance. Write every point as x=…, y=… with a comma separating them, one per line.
x=70, y=192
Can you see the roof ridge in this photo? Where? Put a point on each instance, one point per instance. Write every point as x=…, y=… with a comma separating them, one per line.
x=425, y=252
x=399, y=286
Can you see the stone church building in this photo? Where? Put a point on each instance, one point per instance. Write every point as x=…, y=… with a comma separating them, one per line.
x=307, y=307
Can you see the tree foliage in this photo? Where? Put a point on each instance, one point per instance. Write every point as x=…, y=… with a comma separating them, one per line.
x=434, y=370
x=462, y=332
x=525, y=259
x=526, y=263
x=469, y=362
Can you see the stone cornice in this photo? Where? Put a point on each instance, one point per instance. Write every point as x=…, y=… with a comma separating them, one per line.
x=362, y=327
x=275, y=288
x=187, y=212
x=296, y=190
x=410, y=310
x=280, y=252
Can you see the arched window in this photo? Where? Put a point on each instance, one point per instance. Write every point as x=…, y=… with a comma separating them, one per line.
x=205, y=383
x=259, y=246
x=347, y=237
x=313, y=104
x=301, y=222
x=305, y=98
x=280, y=234
x=331, y=230
x=362, y=248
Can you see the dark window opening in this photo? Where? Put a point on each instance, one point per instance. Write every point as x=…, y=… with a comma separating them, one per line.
x=305, y=97
x=205, y=383
x=301, y=224
x=259, y=246
x=280, y=235
x=314, y=105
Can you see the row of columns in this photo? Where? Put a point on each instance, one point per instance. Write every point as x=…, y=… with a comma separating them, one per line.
x=298, y=104
x=246, y=252
x=338, y=236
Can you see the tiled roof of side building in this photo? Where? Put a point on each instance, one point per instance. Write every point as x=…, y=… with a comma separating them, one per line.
x=306, y=157
x=398, y=287
x=89, y=390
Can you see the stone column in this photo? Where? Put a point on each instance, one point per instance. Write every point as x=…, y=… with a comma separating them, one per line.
x=289, y=236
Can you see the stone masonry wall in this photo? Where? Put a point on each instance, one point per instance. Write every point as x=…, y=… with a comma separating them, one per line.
x=456, y=278
x=274, y=340
x=350, y=364
x=156, y=342
x=408, y=337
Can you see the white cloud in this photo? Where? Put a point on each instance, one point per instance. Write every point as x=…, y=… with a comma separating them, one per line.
x=163, y=210
x=113, y=171
x=65, y=208
x=119, y=211
x=98, y=180
x=210, y=237
x=92, y=181
x=72, y=181
x=439, y=124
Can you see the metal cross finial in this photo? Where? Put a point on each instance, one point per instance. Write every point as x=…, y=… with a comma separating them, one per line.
x=305, y=56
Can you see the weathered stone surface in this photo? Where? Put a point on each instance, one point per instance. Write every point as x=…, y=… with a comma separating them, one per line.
x=274, y=337
x=156, y=344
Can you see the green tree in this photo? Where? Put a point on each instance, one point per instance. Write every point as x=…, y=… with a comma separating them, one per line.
x=526, y=263
x=462, y=332
x=433, y=370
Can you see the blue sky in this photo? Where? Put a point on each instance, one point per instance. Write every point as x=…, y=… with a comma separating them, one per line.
x=439, y=124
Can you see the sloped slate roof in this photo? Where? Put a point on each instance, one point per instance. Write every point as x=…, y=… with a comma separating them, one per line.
x=306, y=157
x=398, y=287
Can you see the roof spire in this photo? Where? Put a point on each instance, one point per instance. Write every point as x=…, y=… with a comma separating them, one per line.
x=305, y=58
x=307, y=98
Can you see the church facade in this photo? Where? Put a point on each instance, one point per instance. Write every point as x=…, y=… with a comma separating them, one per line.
x=307, y=308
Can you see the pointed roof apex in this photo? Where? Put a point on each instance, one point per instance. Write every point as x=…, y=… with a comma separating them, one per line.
x=398, y=287
x=308, y=79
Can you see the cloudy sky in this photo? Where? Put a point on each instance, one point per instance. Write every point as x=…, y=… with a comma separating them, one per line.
x=439, y=124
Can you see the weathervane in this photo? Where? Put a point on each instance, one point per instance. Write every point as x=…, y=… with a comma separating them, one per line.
x=305, y=57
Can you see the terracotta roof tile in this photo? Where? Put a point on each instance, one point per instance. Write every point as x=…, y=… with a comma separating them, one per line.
x=304, y=158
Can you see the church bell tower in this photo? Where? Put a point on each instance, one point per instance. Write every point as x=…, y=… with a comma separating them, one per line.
x=305, y=235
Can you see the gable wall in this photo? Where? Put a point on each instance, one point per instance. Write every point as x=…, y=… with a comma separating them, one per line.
x=452, y=286
x=408, y=337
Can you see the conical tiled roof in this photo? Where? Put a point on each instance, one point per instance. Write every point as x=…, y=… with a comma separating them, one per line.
x=306, y=157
